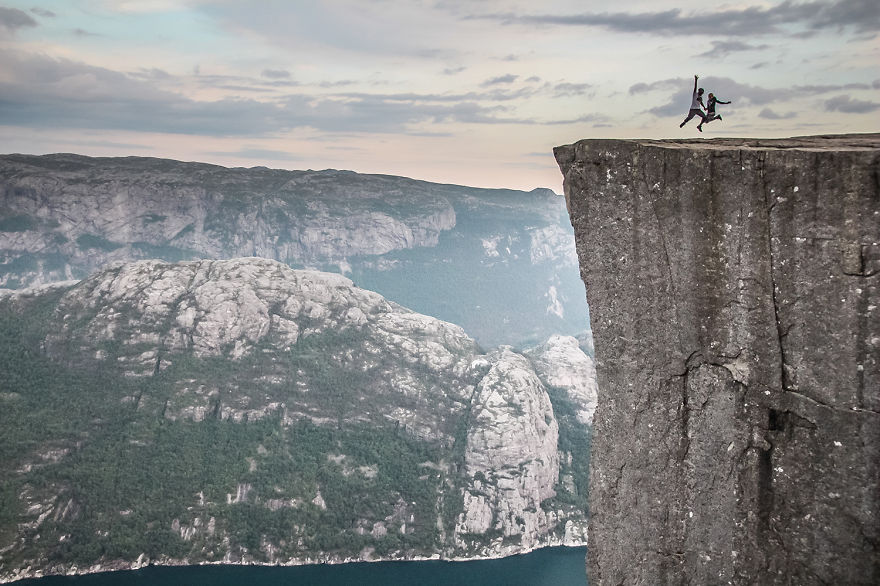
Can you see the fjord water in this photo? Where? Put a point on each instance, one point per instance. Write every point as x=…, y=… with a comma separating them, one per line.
x=552, y=566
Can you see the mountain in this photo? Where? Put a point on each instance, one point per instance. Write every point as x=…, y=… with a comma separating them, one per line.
x=243, y=411
x=500, y=263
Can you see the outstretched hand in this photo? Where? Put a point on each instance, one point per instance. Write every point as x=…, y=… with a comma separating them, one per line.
x=696, y=77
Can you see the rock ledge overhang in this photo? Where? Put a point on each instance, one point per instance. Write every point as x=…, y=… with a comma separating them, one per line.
x=734, y=287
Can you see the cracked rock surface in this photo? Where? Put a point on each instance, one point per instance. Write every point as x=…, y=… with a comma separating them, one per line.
x=734, y=288
x=561, y=363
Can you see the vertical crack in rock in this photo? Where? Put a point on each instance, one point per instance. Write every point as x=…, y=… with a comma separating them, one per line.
x=862, y=336
x=764, y=488
x=770, y=203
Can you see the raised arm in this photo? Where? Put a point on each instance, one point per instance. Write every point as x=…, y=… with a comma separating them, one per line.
x=696, y=77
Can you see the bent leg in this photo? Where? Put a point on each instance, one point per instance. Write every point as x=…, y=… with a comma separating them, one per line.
x=690, y=115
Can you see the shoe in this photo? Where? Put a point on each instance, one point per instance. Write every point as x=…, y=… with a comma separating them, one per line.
x=681, y=125
x=720, y=118
x=700, y=128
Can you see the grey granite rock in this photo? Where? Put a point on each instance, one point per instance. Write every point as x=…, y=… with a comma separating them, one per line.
x=562, y=364
x=734, y=288
x=158, y=312
x=511, y=459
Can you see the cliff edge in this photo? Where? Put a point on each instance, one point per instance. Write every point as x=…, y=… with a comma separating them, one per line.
x=734, y=288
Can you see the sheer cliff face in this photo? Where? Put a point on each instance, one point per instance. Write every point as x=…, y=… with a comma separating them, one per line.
x=84, y=212
x=477, y=251
x=734, y=288
x=508, y=480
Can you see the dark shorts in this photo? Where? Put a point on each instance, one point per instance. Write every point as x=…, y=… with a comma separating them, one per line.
x=695, y=112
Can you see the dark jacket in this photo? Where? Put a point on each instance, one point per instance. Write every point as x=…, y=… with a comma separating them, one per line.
x=710, y=105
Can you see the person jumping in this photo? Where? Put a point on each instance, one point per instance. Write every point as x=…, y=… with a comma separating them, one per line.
x=710, y=111
x=696, y=106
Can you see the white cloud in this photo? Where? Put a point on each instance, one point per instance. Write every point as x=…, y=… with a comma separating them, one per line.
x=150, y=6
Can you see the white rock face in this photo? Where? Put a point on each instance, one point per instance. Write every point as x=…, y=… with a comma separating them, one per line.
x=93, y=214
x=231, y=308
x=554, y=305
x=552, y=243
x=561, y=363
x=512, y=461
x=226, y=307
x=36, y=290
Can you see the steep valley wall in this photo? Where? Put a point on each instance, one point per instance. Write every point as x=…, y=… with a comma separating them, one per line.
x=734, y=288
x=242, y=411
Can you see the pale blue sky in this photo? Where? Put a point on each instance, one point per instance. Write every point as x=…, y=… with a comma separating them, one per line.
x=454, y=91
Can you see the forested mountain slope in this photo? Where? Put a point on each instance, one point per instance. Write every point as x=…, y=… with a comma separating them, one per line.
x=243, y=411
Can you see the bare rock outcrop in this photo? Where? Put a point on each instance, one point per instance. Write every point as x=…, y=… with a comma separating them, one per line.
x=733, y=287
x=79, y=213
x=145, y=315
x=511, y=459
x=561, y=363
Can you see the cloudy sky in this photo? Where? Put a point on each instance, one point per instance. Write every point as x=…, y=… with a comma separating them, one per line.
x=455, y=91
